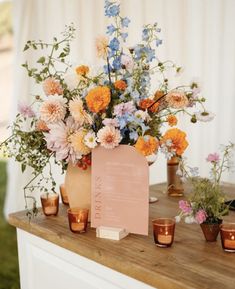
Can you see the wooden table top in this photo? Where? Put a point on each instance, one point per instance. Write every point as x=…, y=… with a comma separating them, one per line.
x=191, y=262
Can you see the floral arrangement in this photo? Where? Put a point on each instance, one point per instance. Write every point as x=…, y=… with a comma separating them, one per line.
x=81, y=107
x=207, y=203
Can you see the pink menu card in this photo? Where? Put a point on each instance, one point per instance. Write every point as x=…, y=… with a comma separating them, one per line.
x=120, y=189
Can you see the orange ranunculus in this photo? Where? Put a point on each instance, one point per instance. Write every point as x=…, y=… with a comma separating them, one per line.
x=98, y=98
x=147, y=102
x=82, y=70
x=172, y=120
x=120, y=84
x=147, y=145
x=178, y=139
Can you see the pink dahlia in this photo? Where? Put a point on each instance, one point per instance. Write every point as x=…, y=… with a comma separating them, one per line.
x=53, y=109
x=200, y=216
x=109, y=137
x=58, y=140
x=52, y=86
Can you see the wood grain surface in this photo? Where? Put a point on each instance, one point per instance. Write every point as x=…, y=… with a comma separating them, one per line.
x=190, y=263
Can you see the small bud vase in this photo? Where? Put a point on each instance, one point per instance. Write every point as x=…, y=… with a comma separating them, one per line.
x=175, y=186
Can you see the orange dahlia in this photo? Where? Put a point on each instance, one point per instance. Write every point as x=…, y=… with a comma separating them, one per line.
x=120, y=84
x=147, y=145
x=98, y=98
x=82, y=70
x=178, y=139
x=172, y=120
x=147, y=103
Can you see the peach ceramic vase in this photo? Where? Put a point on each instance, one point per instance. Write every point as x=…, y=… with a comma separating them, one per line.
x=78, y=187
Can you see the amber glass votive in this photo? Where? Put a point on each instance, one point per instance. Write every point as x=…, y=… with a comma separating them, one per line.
x=78, y=219
x=163, y=231
x=50, y=204
x=175, y=186
x=227, y=234
x=64, y=195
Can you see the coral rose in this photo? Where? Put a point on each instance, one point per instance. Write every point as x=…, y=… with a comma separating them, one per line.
x=98, y=98
x=147, y=145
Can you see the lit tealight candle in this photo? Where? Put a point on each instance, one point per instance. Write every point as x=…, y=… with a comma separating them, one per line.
x=227, y=233
x=230, y=243
x=163, y=232
x=78, y=219
x=164, y=239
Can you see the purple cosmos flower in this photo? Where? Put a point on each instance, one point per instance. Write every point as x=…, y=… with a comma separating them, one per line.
x=25, y=110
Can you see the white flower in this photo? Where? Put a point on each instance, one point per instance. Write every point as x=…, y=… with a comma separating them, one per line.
x=194, y=171
x=127, y=61
x=179, y=172
x=90, y=140
x=78, y=113
x=109, y=137
x=204, y=116
x=189, y=220
x=71, y=79
x=142, y=115
x=177, y=219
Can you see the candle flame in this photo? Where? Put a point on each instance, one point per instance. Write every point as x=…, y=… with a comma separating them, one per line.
x=232, y=238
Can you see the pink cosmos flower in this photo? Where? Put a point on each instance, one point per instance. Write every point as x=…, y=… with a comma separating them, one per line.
x=110, y=122
x=58, y=140
x=123, y=108
x=200, y=216
x=213, y=158
x=109, y=137
x=185, y=207
x=25, y=110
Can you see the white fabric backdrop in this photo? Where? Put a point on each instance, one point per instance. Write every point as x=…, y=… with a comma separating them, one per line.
x=197, y=34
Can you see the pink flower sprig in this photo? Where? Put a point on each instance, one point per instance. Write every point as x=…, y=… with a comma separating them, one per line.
x=213, y=158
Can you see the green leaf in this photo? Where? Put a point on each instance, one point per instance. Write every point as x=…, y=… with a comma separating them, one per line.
x=23, y=167
x=41, y=60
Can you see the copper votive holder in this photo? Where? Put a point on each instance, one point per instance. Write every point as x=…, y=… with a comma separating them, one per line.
x=64, y=195
x=163, y=232
x=50, y=204
x=78, y=219
x=227, y=234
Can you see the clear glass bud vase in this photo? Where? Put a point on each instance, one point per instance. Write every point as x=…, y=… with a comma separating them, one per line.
x=175, y=186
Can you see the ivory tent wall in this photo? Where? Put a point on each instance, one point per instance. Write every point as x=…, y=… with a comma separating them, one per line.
x=197, y=34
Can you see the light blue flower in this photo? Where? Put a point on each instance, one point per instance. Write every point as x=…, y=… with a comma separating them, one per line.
x=158, y=42
x=133, y=135
x=111, y=10
x=138, y=49
x=124, y=36
x=150, y=53
x=117, y=63
x=111, y=29
x=145, y=34
x=125, y=22
x=114, y=44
